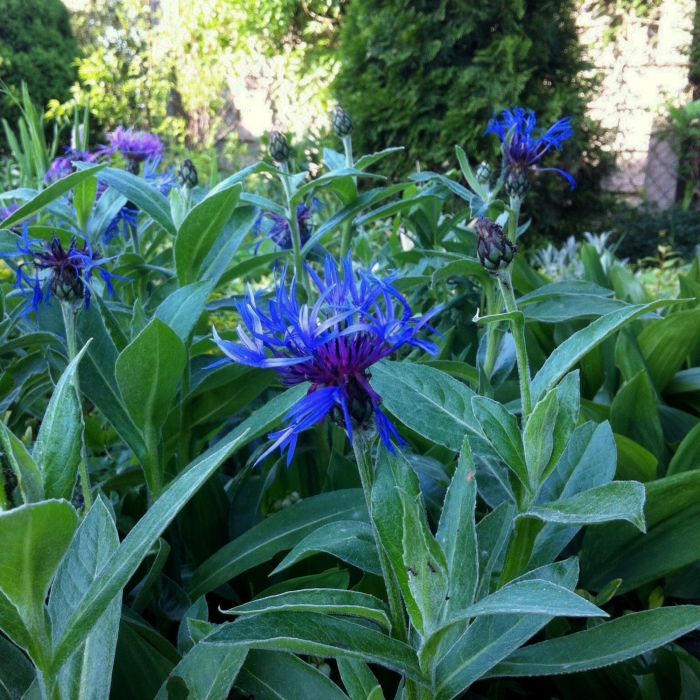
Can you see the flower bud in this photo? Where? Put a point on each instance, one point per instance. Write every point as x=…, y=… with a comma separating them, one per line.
x=493, y=247
x=517, y=183
x=187, y=174
x=484, y=173
x=342, y=122
x=279, y=147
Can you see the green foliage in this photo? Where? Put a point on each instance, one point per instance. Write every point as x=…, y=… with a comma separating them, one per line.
x=540, y=518
x=437, y=72
x=37, y=47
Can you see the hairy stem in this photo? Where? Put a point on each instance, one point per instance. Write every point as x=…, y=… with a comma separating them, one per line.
x=517, y=326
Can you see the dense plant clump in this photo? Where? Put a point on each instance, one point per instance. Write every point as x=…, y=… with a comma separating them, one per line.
x=37, y=47
x=274, y=435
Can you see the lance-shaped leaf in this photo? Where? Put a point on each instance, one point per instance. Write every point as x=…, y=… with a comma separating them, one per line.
x=57, y=450
x=322, y=600
x=602, y=645
x=88, y=671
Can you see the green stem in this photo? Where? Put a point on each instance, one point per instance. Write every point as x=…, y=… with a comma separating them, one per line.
x=361, y=445
x=347, y=228
x=513, y=220
x=294, y=227
x=491, y=333
x=520, y=550
x=70, y=313
x=518, y=328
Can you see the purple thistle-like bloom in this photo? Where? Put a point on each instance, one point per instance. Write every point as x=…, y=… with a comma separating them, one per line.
x=357, y=321
x=276, y=228
x=522, y=149
x=63, y=165
x=55, y=271
x=135, y=146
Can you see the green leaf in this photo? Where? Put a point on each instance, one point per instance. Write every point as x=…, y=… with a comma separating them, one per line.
x=416, y=558
x=350, y=541
x=142, y=194
x=667, y=343
x=501, y=429
x=568, y=354
x=466, y=267
x=33, y=540
x=52, y=192
x=16, y=671
x=602, y=645
x=358, y=679
x=321, y=600
x=23, y=465
x=533, y=597
x=687, y=454
x=672, y=540
x=490, y=639
x=634, y=413
x=318, y=635
x=207, y=672
x=225, y=248
x=538, y=436
x=148, y=373
x=426, y=400
x=124, y=562
x=456, y=534
x=88, y=671
x=57, y=451
x=274, y=675
x=277, y=533
x=12, y=625
x=182, y=309
x=200, y=230
x=619, y=500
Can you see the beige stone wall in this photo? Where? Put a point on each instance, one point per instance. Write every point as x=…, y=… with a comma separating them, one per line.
x=643, y=68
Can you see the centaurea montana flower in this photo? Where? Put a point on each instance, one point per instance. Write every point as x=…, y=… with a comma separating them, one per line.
x=276, y=227
x=521, y=148
x=135, y=146
x=56, y=271
x=357, y=321
x=63, y=165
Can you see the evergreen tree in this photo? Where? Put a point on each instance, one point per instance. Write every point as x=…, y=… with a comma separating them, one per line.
x=428, y=75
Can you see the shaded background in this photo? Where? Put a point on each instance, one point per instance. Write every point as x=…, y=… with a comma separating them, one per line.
x=213, y=77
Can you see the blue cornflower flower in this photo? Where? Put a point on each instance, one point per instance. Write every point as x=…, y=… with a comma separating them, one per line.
x=522, y=150
x=63, y=165
x=125, y=222
x=276, y=228
x=135, y=146
x=356, y=321
x=55, y=271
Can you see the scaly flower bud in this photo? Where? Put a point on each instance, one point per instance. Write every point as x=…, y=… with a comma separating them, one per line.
x=484, y=173
x=494, y=249
x=517, y=183
x=187, y=174
x=342, y=122
x=279, y=147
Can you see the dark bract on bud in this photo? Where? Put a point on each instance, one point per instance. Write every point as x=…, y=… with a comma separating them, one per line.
x=342, y=122
x=279, y=147
x=494, y=249
x=187, y=174
x=484, y=173
x=517, y=183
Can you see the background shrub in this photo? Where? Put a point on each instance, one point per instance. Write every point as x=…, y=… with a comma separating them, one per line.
x=429, y=75
x=36, y=46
